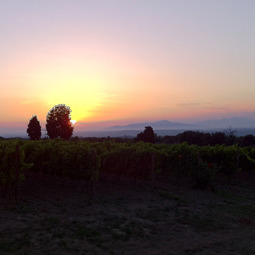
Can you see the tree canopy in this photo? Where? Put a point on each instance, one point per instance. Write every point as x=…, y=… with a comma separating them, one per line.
x=58, y=122
x=147, y=135
x=34, y=128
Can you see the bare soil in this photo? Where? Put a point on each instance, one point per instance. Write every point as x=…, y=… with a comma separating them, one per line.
x=55, y=216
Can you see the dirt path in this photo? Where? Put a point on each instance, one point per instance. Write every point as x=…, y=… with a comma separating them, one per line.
x=129, y=219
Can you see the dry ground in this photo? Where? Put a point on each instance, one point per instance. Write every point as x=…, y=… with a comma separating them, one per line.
x=54, y=217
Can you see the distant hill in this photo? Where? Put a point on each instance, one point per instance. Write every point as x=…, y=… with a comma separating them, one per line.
x=163, y=124
x=234, y=123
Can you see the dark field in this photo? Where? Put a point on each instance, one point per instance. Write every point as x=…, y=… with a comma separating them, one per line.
x=56, y=217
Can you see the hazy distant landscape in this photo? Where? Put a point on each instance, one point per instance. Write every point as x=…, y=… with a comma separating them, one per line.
x=242, y=126
x=160, y=132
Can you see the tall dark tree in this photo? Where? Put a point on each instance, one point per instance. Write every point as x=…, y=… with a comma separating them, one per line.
x=34, y=129
x=147, y=135
x=58, y=122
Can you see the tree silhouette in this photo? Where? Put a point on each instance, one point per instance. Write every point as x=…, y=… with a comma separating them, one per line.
x=34, y=129
x=58, y=122
x=194, y=137
x=248, y=140
x=218, y=138
x=147, y=135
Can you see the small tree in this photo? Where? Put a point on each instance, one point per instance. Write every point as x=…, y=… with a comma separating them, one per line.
x=34, y=129
x=147, y=135
x=58, y=122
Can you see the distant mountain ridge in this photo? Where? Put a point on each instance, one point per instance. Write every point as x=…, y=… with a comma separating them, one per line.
x=208, y=124
x=162, y=124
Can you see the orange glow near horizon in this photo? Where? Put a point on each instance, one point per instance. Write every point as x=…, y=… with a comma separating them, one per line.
x=126, y=61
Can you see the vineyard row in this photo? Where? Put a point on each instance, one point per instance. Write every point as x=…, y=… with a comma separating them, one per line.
x=87, y=160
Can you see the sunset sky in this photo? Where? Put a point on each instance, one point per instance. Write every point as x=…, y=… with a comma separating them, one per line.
x=122, y=61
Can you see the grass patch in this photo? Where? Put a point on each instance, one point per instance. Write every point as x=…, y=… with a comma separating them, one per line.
x=205, y=223
x=6, y=246
x=114, y=221
x=247, y=211
x=229, y=196
x=167, y=195
x=81, y=232
x=134, y=229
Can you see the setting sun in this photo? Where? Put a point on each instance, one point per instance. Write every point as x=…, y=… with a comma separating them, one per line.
x=73, y=122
